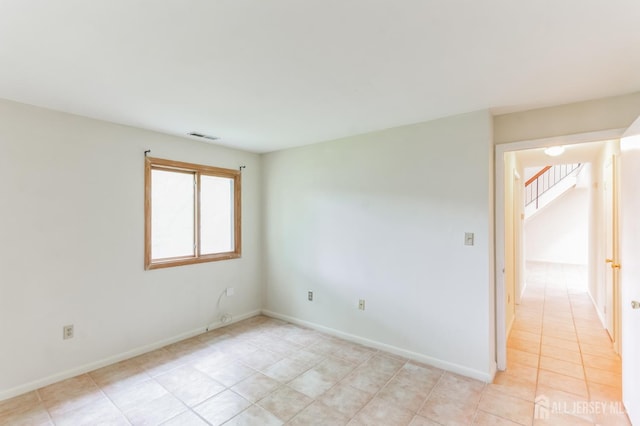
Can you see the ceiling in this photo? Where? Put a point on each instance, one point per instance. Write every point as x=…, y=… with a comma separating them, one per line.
x=574, y=153
x=266, y=75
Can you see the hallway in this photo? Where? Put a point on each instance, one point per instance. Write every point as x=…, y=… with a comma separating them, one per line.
x=558, y=353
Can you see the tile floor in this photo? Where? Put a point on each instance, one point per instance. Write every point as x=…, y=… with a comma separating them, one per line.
x=267, y=372
x=559, y=356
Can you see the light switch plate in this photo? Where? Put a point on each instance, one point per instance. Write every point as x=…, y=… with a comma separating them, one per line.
x=468, y=238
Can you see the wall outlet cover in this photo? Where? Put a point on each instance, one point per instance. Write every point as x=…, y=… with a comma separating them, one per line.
x=67, y=332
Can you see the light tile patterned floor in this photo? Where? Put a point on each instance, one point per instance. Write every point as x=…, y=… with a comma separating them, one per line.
x=267, y=372
x=559, y=355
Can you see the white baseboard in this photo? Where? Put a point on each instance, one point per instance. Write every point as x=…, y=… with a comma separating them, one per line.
x=36, y=384
x=486, y=377
x=524, y=288
x=603, y=321
x=493, y=371
x=510, y=325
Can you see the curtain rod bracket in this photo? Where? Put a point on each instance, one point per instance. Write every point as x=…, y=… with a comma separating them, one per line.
x=146, y=153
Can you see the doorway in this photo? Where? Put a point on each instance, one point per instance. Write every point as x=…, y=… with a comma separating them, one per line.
x=510, y=280
x=572, y=328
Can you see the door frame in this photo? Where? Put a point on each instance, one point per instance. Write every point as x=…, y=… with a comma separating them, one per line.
x=499, y=208
x=612, y=253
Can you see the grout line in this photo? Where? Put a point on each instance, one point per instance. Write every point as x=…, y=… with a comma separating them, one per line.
x=41, y=401
x=544, y=307
x=181, y=401
x=373, y=396
x=584, y=370
x=107, y=397
x=477, y=407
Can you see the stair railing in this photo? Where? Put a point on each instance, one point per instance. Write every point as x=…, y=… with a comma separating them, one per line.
x=546, y=179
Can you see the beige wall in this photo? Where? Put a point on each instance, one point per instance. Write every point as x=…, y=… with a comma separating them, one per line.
x=582, y=117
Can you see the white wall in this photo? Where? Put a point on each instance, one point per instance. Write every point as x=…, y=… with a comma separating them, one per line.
x=72, y=242
x=559, y=232
x=630, y=274
x=382, y=217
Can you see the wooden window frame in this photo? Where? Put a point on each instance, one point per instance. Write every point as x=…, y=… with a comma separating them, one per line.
x=198, y=170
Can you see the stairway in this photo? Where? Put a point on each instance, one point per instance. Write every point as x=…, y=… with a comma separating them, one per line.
x=548, y=184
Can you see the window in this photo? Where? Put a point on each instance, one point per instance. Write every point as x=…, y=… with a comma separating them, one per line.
x=192, y=213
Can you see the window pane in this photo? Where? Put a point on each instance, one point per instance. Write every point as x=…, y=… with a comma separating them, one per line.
x=216, y=215
x=172, y=214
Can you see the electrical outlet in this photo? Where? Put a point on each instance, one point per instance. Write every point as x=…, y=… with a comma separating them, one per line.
x=67, y=332
x=231, y=291
x=310, y=296
x=361, y=304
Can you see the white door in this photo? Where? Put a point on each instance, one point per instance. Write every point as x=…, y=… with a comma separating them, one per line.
x=630, y=275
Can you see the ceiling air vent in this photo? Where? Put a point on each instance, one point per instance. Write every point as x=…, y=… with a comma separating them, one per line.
x=203, y=136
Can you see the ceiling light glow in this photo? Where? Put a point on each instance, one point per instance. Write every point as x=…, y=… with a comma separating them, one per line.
x=554, y=151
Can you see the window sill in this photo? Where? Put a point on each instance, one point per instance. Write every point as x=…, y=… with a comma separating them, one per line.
x=158, y=264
